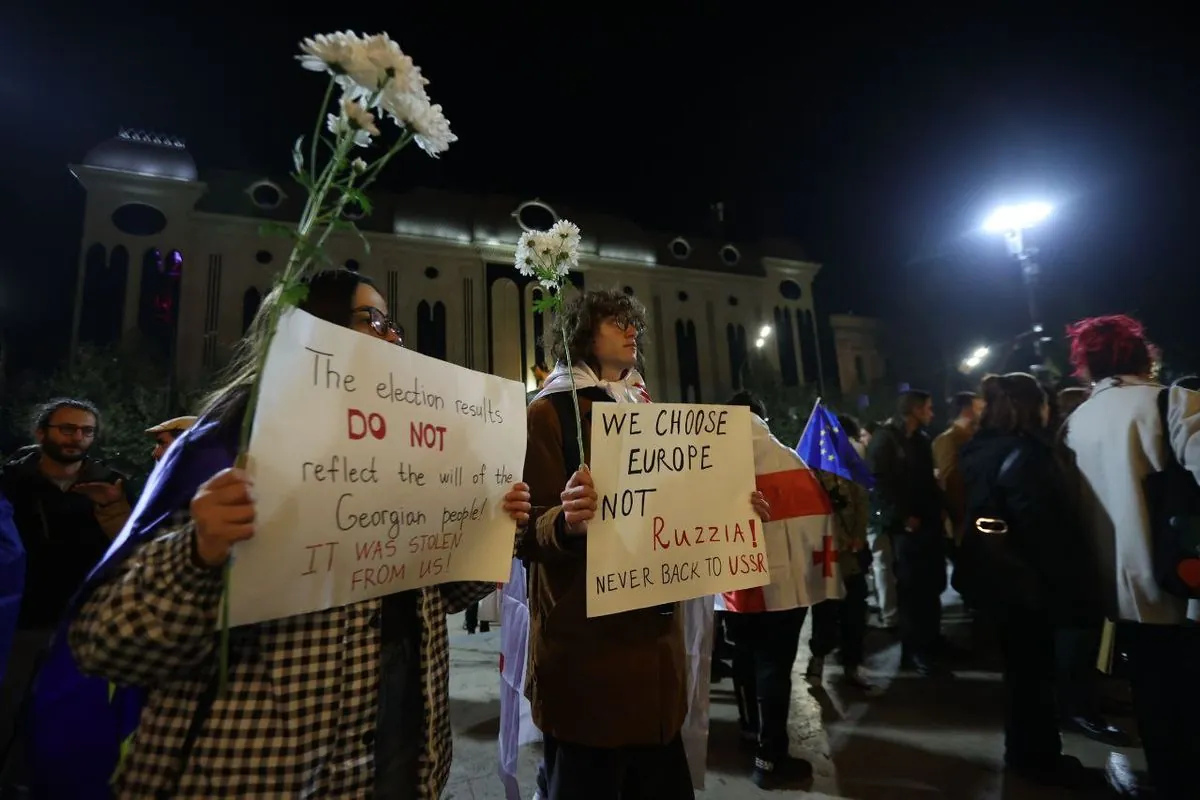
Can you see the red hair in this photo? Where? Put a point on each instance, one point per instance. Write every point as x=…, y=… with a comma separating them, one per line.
x=1102, y=347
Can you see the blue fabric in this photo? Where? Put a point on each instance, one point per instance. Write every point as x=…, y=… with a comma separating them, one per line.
x=77, y=723
x=825, y=446
x=12, y=581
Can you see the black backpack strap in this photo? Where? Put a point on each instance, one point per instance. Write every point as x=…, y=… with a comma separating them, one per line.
x=565, y=408
x=1164, y=401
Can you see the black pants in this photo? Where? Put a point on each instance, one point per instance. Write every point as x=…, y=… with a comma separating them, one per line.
x=842, y=624
x=1163, y=663
x=1076, y=649
x=764, y=650
x=920, y=581
x=1031, y=738
x=579, y=772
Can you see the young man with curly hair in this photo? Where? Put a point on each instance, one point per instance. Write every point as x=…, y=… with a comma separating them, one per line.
x=610, y=694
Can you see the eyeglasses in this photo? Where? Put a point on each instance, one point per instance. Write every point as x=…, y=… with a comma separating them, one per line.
x=627, y=321
x=381, y=323
x=68, y=430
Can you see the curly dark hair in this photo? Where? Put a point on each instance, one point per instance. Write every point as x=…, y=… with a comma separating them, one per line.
x=582, y=315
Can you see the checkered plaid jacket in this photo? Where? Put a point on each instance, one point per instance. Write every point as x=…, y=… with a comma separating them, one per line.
x=297, y=719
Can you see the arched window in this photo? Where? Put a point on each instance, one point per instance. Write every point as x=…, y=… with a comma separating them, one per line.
x=103, y=302
x=689, y=361
x=251, y=300
x=735, y=336
x=431, y=329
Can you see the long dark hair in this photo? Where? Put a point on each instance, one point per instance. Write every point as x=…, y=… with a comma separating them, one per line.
x=1014, y=404
x=330, y=298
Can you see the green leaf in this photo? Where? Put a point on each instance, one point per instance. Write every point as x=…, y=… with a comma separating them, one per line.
x=354, y=195
x=546, y=302
x=294, y=295
x=298, y=155
x=304, y=179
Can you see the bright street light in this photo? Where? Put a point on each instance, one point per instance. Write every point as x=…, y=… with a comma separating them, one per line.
x=1011, y=221
x=975, y=359
x=765, y=332
x=1016, y=218
x=759, y=342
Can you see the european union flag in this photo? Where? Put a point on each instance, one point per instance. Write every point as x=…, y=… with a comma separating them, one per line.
x=825, y=446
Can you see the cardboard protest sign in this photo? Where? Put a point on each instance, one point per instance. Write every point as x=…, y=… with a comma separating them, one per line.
x=376, y=469
x=675, y=518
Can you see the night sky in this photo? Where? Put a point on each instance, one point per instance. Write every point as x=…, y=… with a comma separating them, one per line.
x=879, y=142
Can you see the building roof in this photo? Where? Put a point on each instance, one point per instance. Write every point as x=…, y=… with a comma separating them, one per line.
x=436, y=214
x=144, y=153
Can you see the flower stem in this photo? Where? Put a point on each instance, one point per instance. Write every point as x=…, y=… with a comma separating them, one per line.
x=312, y=162
x=574, y=391
x=299, y=262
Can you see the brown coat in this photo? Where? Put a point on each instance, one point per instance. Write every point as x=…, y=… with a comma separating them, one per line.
x=946, y=449
x=610, y=681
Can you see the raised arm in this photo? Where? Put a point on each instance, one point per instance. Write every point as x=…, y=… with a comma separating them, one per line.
x=155, y=619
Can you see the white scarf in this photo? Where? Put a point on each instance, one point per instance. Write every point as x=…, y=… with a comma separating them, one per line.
x=631, y=388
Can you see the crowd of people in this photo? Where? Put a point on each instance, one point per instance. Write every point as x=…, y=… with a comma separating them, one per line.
x=1044, y=514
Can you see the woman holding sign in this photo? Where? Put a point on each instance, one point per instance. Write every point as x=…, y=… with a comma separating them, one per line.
x=609, y=693
x=349, y=702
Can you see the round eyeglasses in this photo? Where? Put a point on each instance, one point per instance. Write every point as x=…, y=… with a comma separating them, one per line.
x=381, y=323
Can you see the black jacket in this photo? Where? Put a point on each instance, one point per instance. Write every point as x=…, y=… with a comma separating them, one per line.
x=904, y=484
x=65, y=534
x=1031, y=494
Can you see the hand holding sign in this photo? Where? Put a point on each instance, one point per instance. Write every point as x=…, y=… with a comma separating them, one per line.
x=761, y=506
x=223, y=513
x=678, y=514
x=517, y=503
x=579, y=502
x=376, y=470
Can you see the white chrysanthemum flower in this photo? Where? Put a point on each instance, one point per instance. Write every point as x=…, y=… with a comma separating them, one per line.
x=546, y=247
x=524, y=259
x=330, y=52
x=413, y=112
x=393, y=69
x=360, y=119
x=354, y=120
x=567, y=231
x=549, y=255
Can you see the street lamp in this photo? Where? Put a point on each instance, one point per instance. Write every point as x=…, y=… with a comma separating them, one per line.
x=1011, y=221
x=763, y=333
x=976, y=358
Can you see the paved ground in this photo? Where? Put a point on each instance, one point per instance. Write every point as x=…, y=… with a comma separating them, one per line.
x=915, y=739
x=475, y=715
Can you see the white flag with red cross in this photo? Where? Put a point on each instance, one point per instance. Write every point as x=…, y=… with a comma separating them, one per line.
x=801, y=548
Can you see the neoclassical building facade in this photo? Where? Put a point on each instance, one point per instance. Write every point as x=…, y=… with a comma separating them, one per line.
x=176, y=255
x=862, y=357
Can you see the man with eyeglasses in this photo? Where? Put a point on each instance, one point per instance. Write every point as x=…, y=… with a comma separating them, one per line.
x=67, y=507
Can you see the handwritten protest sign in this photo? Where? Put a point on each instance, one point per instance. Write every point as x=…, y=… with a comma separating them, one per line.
x=675, y=518
x=376, y=469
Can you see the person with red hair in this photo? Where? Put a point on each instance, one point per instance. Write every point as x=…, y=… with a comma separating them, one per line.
x=1118, y=438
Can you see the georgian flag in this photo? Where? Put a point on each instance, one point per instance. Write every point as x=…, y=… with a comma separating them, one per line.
x=801, y=548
